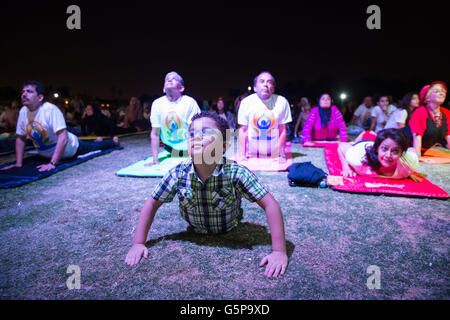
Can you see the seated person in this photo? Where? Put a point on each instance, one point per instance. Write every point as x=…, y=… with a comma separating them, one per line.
x=361, y=116
x=381, y=113
x=387, y=156
x=210, y=189
x=324, y=122
x=305, y=109
x=262, y=118
x=221, y=110
x=400, y=117
x=430, y=123
x=96, y=123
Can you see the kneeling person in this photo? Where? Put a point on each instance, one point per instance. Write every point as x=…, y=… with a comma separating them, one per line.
x=210, y=189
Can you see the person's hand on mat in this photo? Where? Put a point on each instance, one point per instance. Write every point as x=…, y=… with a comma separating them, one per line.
x=276, y=264
x=282, y=158
x=45, y=167
x=15, y=165
x=151, y=163
x=415, y=178
x=348, y=172
x=135, y=254
x=308, y=144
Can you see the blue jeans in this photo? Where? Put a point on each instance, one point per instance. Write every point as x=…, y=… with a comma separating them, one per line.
x=89, y=146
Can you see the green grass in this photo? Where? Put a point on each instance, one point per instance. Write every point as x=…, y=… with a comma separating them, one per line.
x=86, y=216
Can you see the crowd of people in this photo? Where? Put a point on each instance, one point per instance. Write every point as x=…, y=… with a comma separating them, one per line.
x=391, y=138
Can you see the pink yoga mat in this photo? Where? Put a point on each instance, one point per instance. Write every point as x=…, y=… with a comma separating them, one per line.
x=267, y=163
x=320, y=144
x=362, y=184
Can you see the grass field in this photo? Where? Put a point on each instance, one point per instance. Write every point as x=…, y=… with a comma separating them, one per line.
x=86, y=216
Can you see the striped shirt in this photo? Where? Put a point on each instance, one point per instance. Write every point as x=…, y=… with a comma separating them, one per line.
x=313, y=127
x=215, y=205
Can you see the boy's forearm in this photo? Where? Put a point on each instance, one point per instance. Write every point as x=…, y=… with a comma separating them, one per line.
x=276, y=226
x=146, y=219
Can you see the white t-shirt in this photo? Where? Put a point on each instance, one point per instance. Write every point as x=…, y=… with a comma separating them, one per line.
x=360, y=112
x=41, y=126
x=263, y=119
x=382, y=118
x=398, y=115
x=174, y=119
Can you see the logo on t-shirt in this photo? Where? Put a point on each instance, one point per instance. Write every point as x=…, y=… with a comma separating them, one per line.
x=37, y=133
x=263, y=125
x=174, y=130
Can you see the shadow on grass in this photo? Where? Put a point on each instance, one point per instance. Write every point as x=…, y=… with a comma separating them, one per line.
x=297, y=154
x=244, y=236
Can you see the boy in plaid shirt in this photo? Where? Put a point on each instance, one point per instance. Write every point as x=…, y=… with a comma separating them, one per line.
x=209, y=189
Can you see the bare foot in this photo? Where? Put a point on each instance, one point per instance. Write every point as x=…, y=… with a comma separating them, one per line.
x=116, y=141
x=99, y=139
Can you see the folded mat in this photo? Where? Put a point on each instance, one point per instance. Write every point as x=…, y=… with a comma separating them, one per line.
x=362, y=184
x=268, y=163
x=138, y=169
x=18, y=176
x=319, y=144
x=434, y=156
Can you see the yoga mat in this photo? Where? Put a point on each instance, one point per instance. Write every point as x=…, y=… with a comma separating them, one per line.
x=434, y=156
x=267, y=163
x=361, y=184
x=18, y=176
x=320, y=144
x=138, y=169
x=117, y=135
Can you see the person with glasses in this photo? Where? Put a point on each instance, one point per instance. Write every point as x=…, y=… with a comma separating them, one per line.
x=210, y=190
x=430, y=123
x=170, y=117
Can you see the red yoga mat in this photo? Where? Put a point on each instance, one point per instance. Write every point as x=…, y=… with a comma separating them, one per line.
x=319, y=144
x=361, y=184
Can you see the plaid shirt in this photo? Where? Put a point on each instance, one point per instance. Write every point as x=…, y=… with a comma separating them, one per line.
x=213, y=206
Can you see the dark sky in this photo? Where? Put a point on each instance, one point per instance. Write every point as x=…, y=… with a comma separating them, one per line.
x=218, y=45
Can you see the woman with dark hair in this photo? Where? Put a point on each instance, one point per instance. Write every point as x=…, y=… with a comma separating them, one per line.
x=221, y=110
x=323, y=122
x=400, y=117
x=386, y=157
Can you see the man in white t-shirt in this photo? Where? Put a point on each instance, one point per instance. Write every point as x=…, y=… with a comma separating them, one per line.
x=362, y=113
x=44, y=124
x=262, y=118
x=170, y=117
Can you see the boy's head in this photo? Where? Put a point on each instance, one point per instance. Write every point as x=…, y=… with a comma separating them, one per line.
x=207, y=137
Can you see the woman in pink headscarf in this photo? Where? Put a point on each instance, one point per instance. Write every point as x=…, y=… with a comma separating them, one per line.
x=430, y=123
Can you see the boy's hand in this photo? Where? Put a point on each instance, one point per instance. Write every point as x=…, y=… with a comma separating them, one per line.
x=135, y=254
x=276, y=264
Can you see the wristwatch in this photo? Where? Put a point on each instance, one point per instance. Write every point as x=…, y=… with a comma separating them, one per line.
x=53, y=163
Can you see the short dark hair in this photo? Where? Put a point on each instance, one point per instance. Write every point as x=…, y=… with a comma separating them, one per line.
x=396, y=135
x=221, y=123
x=256, y=78
x=36, y=84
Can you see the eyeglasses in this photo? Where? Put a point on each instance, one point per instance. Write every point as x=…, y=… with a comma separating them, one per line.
x=204, y=132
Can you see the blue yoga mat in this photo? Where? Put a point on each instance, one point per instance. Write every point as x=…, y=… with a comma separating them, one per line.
x=19, y=176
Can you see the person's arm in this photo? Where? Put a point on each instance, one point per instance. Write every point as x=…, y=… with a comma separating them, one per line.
x=308, y=127
x=277, y=261
x=417, y=144
x=282, y=141
x=373, y=123
x=20, y=149
x=154, y=141
x=242, y=141
x=139, y=250
x=58, y=153
x=347, y=171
